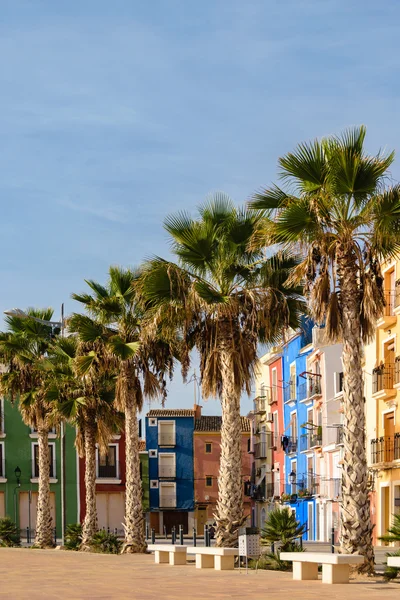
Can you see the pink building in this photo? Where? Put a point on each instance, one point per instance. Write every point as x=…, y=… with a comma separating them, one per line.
x=207, y=440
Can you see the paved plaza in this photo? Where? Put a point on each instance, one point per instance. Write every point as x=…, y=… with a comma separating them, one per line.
x=44, y=574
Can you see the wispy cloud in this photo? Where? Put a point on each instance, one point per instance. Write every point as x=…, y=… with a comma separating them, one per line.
x=113, y=213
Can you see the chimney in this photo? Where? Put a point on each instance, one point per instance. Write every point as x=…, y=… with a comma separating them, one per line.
x=197, y=411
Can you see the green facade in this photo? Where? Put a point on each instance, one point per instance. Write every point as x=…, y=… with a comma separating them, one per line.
x=17, y=444
x=144, y=461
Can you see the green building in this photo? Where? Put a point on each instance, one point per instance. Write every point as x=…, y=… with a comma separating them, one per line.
x=19, y=477
x=19, y=472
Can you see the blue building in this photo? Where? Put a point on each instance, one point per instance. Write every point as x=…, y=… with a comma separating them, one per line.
x=169, y=442
x=302, y=431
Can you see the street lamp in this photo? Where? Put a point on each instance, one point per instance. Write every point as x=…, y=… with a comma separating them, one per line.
x=17, y=473
x=292, y=478
x=20, y=314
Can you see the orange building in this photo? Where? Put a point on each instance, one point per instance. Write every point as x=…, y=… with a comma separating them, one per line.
x=207, y=439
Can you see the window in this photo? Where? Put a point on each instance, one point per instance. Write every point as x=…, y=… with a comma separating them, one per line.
x=274, y=385
x=154, y=484
x=166, y=433
x=293, y=426
x=107, y=464
x=152, y=453
x=262, y=389
x=293, y=381
x=310, y=474
x=35, y=466
x=338, y=383
x=152, y=422
x=209, y=481
x=167, y=495
x=1, y=416
x=208, y=447
x=166, y=464
x=275, y=428
x=34, y=433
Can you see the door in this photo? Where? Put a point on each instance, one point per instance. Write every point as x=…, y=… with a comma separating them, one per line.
x=310, y=511
x=201, y=519
x=110, y=510
x=155, y=521
x=385, y=509
x=28, y=509
x=172, y=518
x=2, y=505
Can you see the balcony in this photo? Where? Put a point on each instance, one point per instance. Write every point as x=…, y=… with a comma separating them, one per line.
x=167, y=501
x=385, y=449
x=289, y=394
x=260, y=404
x=107, y=471
x=339, y=435
x=384, y=379
x=260, y=450
x=166, y=439
x=389, y=317
x=166, y=472
x=289, y=444
x=310, y=440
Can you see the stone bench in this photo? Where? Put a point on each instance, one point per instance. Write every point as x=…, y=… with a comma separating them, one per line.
x=221, y=559
x=335, y=567
x=164, y=553
x=393, y=561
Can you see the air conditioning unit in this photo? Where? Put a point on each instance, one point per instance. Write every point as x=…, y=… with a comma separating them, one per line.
x=270, y=417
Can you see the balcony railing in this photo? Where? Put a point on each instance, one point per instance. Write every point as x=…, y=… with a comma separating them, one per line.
x=167, y=501
x=339, y=435
x=390, y=302
x=289, y=393
x=166, y=471
x=107, y=471
x=289, y=444
x=303, y=394
x=260, y=450
x=314, y=386
x=385, y=449
x=310, y=440
x=166, y=439
x=383, y=377
x=261, y=404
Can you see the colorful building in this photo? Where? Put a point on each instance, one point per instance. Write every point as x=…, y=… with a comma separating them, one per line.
x=207, y=451
x=110, y=485
x=382, y=393
x=267, y=423
x=169, y=443
x=19, y=473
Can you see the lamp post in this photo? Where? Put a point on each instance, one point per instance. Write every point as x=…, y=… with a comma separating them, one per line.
x=292, y=478
x=17, y=473
x=20, y=314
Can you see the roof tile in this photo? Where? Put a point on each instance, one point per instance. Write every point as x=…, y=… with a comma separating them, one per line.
x=208, y=423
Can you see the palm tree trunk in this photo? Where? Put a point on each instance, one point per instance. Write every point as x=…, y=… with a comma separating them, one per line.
x=229, y=514
x=44, y=526
x=134, y=523
x=89, y=527
x=356, y=527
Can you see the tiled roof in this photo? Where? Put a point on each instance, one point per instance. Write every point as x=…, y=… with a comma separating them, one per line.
x=142, y=445
x=214, y=424
x=165, y=412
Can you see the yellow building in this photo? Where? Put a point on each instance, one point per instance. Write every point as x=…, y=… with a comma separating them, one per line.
x=382, y=390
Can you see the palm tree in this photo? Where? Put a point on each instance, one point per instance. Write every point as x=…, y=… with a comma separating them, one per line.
x=87, y=402
x=23, y=350
x=112, y=332
x=282, y=526
x=222, y=299
x=340, y=219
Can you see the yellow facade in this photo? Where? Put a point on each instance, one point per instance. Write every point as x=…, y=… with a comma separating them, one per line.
x=382, y=390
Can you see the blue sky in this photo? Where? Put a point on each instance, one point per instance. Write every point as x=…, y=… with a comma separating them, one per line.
x=114, y=114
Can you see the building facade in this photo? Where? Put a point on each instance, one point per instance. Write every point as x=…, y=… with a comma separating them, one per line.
x=382, y=393
x=110, y=485
x=19, y=473
x=207, y=451
x=169, y=443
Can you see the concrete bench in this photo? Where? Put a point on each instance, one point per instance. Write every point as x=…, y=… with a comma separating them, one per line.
x=393, y=561
x=221, y=559
x=163, y=553
x=335, y=567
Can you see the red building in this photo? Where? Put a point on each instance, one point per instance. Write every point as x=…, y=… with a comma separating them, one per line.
x=207, y=451
x=110, y=485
